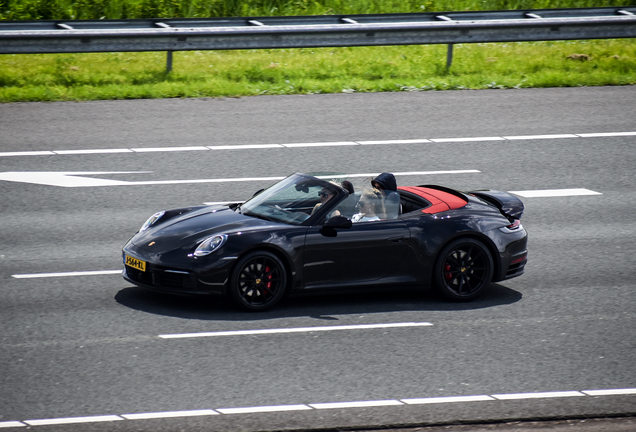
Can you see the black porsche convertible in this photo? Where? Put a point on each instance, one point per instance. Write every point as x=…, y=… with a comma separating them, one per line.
x=309, y=233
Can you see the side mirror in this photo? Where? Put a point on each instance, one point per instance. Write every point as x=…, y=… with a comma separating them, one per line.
x=329, y=228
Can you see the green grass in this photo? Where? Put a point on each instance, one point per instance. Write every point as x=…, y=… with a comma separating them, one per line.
x=121, y=9
x=55, y=77
x=64, y=77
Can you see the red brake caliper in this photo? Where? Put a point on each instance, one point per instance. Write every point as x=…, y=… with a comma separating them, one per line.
x=269, y=279
x=447, y=272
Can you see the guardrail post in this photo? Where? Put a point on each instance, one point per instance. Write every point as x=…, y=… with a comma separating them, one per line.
x=169, y=62
x=449, y=56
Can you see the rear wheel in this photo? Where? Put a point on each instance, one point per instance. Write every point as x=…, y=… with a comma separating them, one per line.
x=463, y=269
x=258, y=281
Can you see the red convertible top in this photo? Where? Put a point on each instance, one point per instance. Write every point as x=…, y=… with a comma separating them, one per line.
x=439, y=199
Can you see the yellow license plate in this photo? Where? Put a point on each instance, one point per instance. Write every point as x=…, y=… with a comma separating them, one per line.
x=135, y=263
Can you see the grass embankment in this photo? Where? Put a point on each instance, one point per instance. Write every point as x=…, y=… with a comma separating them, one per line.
x=53, y=77
x=123, y=9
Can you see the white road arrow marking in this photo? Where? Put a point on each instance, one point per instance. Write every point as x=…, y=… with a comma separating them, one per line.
x=65, y=179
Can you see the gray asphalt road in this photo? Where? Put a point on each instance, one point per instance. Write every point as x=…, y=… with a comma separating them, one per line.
x=557, y=342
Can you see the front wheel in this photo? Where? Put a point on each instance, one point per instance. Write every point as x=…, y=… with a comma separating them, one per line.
x=463, y=269
x=258, y=281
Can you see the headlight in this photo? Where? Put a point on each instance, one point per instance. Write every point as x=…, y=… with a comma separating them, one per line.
x=152, y=220
x=210, y=244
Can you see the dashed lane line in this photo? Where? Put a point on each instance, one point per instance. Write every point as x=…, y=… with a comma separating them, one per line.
x=550, y=193
x=316, y=144
x=73, y=420
x=515, y=396
x=447, y=399
x=320, y=406
x=169, y=414
x=356, y=404
x=294, y=330
x=263, y=409
x=66, y=274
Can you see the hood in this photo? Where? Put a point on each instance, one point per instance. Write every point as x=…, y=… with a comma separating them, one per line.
x=191, y=227
x=387, y=181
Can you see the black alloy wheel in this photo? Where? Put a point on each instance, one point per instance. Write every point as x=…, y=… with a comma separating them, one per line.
x=463, y=269
x=258, y=281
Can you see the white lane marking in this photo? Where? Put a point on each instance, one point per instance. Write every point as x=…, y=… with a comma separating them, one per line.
x=263, y=409
x=66, y=274
x=76, y=179
x=245, y=147
x=397, y=174
x=175, y=182
x=27, y=153
x=294, y=330
x=169, y=414
x=72, y=420
x=540, y=395
x=606, y=134
x=91, y=151
x=610, y=392
x=317, y=406
x=8, y=424
x=535, y=137
x=549, y=193
x=319, y=144
x=168, y=149
x=477, y=139
x=446, y=399
x=65, y=178
x=411, y=141
x=357, y=404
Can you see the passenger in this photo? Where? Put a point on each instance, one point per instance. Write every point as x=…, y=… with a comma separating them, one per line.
x=387, y=185
x=370, y=207
x=347, y=207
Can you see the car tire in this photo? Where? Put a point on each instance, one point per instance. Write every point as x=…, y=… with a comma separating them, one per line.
x=462, y=270
x=258, y=281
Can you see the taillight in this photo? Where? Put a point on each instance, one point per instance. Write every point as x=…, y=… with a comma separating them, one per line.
x=514, y=226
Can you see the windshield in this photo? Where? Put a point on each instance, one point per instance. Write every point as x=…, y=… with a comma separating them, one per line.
x=293, y=200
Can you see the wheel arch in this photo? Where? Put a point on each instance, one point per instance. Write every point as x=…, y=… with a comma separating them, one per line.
x=487, y=241
x=281, y=255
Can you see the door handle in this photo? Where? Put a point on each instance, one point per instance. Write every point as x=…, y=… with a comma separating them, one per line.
x=397, y=239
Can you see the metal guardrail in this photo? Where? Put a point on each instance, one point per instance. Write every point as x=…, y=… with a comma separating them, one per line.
x=33, y=37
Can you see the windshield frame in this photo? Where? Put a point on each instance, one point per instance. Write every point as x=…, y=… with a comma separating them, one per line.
x=263, y=205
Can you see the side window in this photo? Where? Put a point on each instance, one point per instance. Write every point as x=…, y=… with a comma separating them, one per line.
x=392, y=205
x=347, y=207
x=410, y=205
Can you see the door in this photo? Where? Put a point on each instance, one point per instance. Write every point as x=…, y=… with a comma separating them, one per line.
x=368, y=251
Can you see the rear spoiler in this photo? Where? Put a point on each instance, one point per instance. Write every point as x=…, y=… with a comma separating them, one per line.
x=508, y=204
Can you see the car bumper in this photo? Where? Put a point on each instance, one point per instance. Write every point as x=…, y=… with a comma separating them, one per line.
x=160, y=275
x=514, y=260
